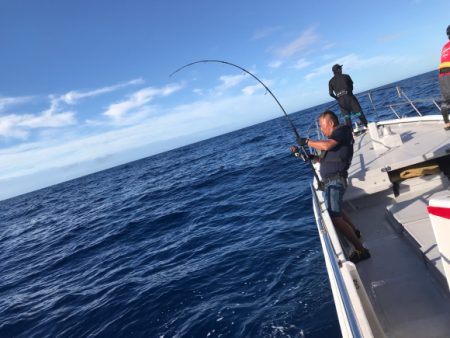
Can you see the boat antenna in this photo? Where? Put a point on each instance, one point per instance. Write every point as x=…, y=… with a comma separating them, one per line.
x=291, y=125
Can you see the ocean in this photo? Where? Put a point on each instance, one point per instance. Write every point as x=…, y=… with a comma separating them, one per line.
x=214, y=239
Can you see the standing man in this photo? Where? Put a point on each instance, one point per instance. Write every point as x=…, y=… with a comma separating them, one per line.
x=444, y=80
x=341, y=88
x=334, y=171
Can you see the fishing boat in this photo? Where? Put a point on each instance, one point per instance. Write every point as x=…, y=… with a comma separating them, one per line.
x=398, y=195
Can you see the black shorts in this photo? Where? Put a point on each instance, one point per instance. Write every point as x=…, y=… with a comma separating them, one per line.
x=349, y=104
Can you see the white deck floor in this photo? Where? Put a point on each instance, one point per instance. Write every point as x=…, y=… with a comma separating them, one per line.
x=421, y=140
x=407, y=297
x=404, y=277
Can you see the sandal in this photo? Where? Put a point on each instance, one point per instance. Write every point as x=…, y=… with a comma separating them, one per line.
x=358, y=256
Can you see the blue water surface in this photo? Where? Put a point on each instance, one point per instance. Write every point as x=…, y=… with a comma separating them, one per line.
x=215, y=239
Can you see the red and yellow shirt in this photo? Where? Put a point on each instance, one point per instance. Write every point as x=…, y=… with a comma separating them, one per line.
x=444, y=66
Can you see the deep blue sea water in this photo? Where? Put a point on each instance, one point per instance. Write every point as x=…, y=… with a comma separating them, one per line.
x=215, y=239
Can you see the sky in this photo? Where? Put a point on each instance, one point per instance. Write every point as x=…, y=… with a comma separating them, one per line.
x=85, y=85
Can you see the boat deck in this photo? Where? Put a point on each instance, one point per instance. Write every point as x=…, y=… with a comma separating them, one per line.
x=420, y=140
x=407, y=298
x=411, y=142
x=404, y=277
x=409, y=215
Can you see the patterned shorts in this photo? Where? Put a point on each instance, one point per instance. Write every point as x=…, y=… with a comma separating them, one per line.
x=334, y=193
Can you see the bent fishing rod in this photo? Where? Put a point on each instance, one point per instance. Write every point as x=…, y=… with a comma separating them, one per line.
x=291, y=125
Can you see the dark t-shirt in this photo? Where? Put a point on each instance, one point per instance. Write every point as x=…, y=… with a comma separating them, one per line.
x=336, y=161
x=340, y=83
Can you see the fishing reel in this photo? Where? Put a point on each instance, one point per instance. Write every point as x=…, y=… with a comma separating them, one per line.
x=304, y=156
x=296, y=152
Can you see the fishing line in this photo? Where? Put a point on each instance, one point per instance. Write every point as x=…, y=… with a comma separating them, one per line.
x=291, y=125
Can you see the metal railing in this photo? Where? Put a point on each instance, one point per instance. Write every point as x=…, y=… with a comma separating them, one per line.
x=313, y=129
x=407, y=101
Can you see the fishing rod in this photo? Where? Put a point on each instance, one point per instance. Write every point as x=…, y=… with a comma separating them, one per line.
x=291, y=125
x=254, y=76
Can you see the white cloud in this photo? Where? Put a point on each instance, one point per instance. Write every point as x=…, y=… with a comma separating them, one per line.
x=181, y=121
x=137, y=101
x=231, y=81
x=47, y=120
x=266, y=32
x=276, y=64
x=300, y=44
x=73, y=96
x=328, y=56
x=228, y=82
x=389, y=37
x=18, y=126
x=352, y=61
x=328, y=45
x=9, y=101
x=302, y=63
x=250, y=90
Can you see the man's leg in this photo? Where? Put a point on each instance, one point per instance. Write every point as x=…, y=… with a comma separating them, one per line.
x=343, y=105
x=361, y=117
x=334, y=193
x=347, y=119
x=348, y=232
x=357, y=110
x=444, y=111
x=444, y=83
x=349, y=221
x=346, y=115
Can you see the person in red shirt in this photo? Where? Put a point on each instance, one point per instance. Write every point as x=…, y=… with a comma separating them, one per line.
x=444, y=80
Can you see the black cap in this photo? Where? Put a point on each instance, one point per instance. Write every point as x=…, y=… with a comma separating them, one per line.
x=336, y=67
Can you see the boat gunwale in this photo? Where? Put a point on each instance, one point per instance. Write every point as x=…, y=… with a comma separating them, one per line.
x=347, y=302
